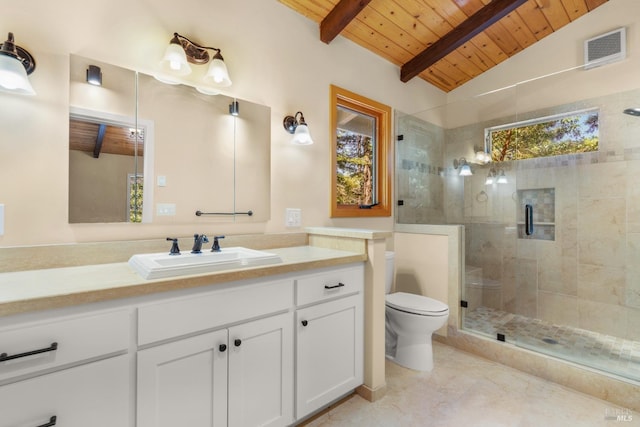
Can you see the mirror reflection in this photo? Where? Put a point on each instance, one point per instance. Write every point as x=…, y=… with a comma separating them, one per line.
x=164, y=154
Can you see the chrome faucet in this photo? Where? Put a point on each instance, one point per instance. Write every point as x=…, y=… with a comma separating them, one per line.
x=216, y=244
x=198, y=240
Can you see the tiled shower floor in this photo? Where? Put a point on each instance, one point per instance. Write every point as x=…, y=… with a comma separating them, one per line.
x=607, y=353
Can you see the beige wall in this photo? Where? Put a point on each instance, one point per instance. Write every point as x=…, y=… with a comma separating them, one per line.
x=274, y=57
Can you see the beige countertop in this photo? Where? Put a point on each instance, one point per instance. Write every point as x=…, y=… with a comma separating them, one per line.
x=31, y=290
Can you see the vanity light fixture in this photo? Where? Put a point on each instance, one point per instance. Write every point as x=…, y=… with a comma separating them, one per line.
x=502, y=178
x=15, y=65
x=482, y=157
x=94, y=75
x=465, y=169
x=490, y=177
x=299, y=129
x=234, y=108
x=182, y=51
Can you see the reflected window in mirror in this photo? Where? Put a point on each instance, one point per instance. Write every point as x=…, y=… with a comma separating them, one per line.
x=360, y=155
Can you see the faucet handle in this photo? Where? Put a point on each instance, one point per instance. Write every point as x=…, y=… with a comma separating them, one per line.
x=216, y=244
x=175, y=250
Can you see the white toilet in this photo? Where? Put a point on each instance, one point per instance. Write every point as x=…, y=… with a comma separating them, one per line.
x=410, y=321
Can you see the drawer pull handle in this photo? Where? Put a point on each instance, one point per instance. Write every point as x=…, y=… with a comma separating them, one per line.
x=237, y=342
x=223, y=348
x=4, y=356
x=305, y=323
x=52, y=422
x=339, y=285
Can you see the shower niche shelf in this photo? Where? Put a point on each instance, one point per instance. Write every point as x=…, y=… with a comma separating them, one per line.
x=543, y=203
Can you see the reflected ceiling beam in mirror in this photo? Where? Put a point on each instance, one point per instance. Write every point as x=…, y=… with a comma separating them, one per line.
x=117, y=139
x=339, y=17
x=474, y=25
x=99, y=139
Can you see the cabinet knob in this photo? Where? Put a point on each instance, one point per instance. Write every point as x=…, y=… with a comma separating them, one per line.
x=237, y=342
x=222, y=348
x=305, y=323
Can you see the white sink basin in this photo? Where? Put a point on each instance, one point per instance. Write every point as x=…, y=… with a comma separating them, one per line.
x=160, y=265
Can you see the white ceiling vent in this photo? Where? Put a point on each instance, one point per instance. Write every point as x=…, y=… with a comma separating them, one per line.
x=605, y=48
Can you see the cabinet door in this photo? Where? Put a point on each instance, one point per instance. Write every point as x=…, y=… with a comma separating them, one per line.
x=329, y=351
x=184, y=383
x=95, y=394
x=261, y=372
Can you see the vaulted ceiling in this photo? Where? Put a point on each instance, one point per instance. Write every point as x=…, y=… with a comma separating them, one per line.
x=445, y=42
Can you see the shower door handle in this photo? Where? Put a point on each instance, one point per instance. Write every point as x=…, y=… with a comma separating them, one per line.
x=528, y=220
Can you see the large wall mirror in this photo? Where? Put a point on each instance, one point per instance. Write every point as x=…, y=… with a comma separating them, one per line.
x=144, y=151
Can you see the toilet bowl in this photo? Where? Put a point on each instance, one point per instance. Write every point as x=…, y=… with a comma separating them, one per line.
x=410, y=322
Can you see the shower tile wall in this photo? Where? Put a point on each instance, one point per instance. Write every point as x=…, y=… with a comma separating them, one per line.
x=589, y=277
x=419, y=172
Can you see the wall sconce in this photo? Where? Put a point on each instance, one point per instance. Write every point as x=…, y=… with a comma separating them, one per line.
x=94, y=75
x=15, y=65
x=298, y=128
x=490, y=177
x=465, y=169
x=482, y=157
x=182, y=51
x=496, y=176
x=234, y=108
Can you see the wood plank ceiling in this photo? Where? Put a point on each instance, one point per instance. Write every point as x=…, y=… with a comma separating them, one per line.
x=445, y=42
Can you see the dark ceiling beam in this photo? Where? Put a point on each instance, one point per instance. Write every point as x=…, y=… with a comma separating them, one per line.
x=474, y=25
x=339, y=18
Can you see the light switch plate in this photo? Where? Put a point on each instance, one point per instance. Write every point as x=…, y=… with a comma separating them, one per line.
x=165, y=209
x=293, y=217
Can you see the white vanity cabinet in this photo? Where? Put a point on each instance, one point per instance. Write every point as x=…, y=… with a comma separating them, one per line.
x=71, y=371
x=329, y=337
x=240, y=375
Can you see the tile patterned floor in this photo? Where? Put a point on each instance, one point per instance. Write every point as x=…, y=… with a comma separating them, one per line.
x=466, y=390
x=604, y=352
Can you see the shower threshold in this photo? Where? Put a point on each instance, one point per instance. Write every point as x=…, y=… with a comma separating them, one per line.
x=603, y=352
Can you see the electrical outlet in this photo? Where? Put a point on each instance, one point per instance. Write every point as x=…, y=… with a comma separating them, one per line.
x=293, y=217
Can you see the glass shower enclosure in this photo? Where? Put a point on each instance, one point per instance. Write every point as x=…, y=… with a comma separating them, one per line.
x=552, y=238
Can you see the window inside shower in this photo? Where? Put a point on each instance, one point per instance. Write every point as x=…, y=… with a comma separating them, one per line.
x=571, y=287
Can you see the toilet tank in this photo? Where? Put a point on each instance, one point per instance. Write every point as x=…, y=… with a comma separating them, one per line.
x=390, y=270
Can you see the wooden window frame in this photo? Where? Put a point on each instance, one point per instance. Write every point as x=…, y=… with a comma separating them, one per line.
x=382, y=114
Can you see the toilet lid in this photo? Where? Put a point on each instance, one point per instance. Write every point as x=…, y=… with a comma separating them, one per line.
x=418, y=304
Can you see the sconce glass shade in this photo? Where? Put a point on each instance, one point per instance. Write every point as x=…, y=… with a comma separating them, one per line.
x=175, y=60
x=502, y=179
x=489, y=179
x=302, y=135
x=465, y=170
x=217, y=74
x=13, y=76
x=482, y=157
x=15, y=64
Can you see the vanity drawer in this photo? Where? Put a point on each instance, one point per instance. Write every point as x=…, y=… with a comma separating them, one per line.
x=215, y=309
x=37, y=346
x=94, y=394
x=329, y=284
